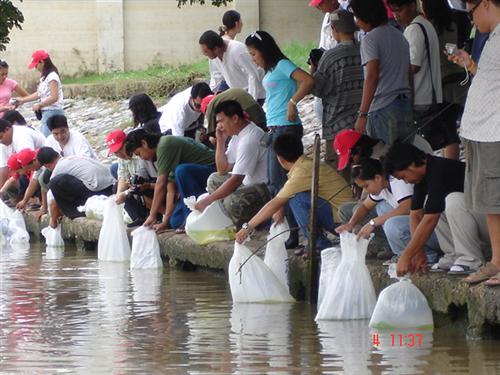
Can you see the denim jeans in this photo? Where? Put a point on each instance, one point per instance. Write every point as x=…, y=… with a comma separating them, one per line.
x=393, y=122
x=46, y=114
x=300, y=205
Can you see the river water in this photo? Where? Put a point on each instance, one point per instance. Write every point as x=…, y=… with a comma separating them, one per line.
x=67, y=313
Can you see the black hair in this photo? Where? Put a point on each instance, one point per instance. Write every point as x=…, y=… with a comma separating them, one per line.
x=439, y=13
x=288, y=146
x=3, y=64
x=367, y=169
x=211, y=39
x=143, y=109
x=263, y=42
x=230, y=108
x=14, y=117
x=134, y=139
x=401, y=155
x=364, y=146
x=373, y=12
x=56, y=122
x=48, y=67
x=4, y=125
x=200, y=89
x=229, y=20
x=400, y=3
x=47, y=155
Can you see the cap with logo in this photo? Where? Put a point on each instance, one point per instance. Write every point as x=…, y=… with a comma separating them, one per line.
x=343, y=144
x=115, y=141
x=38, y=55
x=205, y=102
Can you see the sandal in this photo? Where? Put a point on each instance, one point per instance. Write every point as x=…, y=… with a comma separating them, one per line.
x=180, y=231
x=486, y=272
x=459, y=269
x=493, y=281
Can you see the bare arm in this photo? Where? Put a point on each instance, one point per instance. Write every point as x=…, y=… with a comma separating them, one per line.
x=54, y=95
x=30, y=191
x=223, y=167
x=305, y=84
x=369, y=89
x=159, y=195
x=21, y=91
x=229, y=186
x=360, y=213
x=4, y=174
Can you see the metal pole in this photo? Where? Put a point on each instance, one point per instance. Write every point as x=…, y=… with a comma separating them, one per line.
x=312, y=274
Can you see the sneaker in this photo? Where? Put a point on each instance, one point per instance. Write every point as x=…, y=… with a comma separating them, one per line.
x=393, y=260
x=458, y=269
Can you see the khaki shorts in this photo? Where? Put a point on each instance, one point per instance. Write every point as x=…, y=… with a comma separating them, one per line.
x=482, y=176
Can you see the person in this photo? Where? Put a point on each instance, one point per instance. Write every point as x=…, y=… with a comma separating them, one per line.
x=286, y=85
x=231, y=24
x=182, y=163
x=434, y=179
x=144, y=113
x=7, y=87
x=49, y=90
x=14, y=117
x=74, y=179
x=338, y=81
x=241, y=177
x=326, y=40
x=297, y=192
x=391, y=198
x=480, y=133
x=180, y=116
x=231, y=61
x=14, y=138
x=67, y=141
x=385, y=112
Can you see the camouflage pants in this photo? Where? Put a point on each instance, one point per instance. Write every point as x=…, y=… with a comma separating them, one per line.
x=242, y=204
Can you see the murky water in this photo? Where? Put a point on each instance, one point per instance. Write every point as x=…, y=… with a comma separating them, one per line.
x=77, y=315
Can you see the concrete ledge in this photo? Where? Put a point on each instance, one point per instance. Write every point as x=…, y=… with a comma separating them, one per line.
x=476, y=309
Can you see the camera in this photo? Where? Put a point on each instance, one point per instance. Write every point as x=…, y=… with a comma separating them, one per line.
x=135, y=181
x=450, y=48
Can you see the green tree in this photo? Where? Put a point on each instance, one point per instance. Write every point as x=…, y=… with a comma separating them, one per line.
x=216, y=3
x=10, y=17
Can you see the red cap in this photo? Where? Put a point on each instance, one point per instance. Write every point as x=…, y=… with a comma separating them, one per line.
x=37, y=56
x=12, y=163
x=115, y=140
x=343, y=144
x=205, y=102
x=26, y=156
x=315, y=3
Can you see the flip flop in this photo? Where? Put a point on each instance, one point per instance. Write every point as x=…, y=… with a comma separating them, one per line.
x=493, y=281
x=459, y=269
x=489, y=270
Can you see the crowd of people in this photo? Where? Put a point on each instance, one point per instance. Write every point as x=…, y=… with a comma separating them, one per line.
x=395, y=83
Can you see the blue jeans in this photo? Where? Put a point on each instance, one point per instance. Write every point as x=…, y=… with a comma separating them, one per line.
x=393, y=122
x=300, y=205
x=191, y=179
x=46, y=114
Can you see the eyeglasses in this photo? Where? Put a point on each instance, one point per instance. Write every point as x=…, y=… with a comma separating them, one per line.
x=470, y=13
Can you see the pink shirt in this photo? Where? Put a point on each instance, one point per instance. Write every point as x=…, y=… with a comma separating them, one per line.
x=6, y=89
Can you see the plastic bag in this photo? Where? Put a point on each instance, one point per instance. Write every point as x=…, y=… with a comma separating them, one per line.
x=254, y=282
x=276, y=257
x=330, y=260
x=53, y=237
x=94, y=207
x=19, y=236
x=145, y=249
x=211, y=225
x=5, y=211
x=349, y=293
x=401, y=305
x=113, y=244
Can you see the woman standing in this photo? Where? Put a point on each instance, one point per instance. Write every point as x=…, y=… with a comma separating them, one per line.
x=49, y=90
x=7, y=87
x=231, y=25
x=285, y=85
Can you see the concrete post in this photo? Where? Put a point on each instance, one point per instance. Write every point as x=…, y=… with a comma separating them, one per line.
x=110, y=38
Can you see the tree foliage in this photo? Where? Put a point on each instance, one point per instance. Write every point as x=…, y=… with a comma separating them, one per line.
x=216, y=3
x=10, y=17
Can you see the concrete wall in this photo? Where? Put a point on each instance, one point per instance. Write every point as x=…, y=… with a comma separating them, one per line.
x=116, y=35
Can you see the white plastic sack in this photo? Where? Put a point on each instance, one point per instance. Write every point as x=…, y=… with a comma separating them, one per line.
x=53, y=237
x=211, y=225
x=255, y=282
x=349, y=293
x=94, y=207
x=113, y=242
x=5, y=211
x=276, y=257
x=330, y=260
x=145, y=249
x=19, y=236
x=402, y=305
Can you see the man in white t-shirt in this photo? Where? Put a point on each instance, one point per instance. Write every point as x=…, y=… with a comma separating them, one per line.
x=65, y=141
x=74, y=179
x=391, y=198
x=326, y=40
x=231, y=59
x=14, y=138
x=241, y=177
x=180, y=117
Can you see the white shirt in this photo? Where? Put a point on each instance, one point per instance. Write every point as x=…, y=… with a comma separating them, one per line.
x=177, y=114
x=481, y=119
x=22, y=137
x=43, y=90
x=418, y=56
x=77, y=145
x=94, y=175
x=239, y=70
x=398, y=190
x=248, y=156
x=326, y=39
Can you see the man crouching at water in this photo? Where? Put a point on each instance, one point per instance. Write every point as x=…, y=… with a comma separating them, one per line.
x=297, y=191
x=74, y=179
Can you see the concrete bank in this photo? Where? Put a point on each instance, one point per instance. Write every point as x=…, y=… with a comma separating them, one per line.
x=475, y=310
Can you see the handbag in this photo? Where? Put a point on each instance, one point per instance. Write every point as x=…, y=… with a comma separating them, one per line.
x=438, y=124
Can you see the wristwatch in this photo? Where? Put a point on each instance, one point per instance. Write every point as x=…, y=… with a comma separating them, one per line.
x=372, y=223
x=247, y=228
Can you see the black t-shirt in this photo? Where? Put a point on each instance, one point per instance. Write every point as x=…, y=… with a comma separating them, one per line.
x=444, y=176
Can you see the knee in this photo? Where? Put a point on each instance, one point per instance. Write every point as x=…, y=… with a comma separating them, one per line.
x=397, y=227
x=455, y=202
